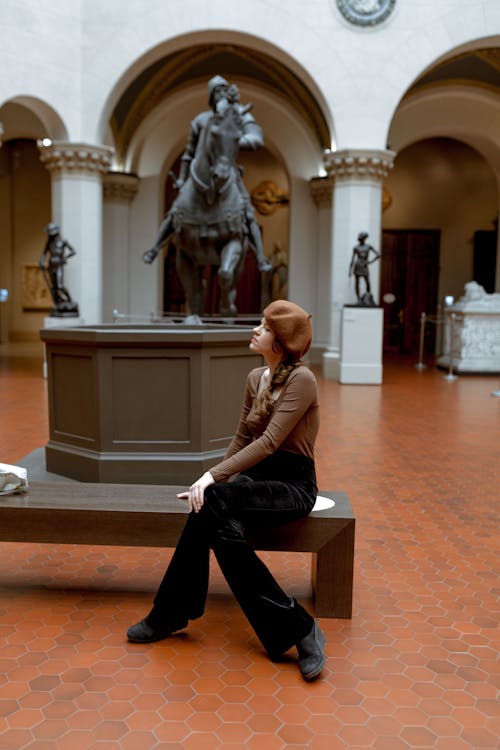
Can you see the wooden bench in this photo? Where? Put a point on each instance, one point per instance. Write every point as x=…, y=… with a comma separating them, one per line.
x=152, y=516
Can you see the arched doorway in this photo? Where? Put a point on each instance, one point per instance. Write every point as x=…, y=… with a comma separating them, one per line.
x=150, y=126
x=25, y=209
x=439, y=225
x=443, y=193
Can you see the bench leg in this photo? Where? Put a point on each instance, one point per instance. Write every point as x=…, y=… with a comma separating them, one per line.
x=332, y=575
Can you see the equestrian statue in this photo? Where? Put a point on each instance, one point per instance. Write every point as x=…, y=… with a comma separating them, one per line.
x=211, y=221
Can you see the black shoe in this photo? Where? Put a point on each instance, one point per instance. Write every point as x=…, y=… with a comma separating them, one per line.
x=311, y=656
x=143, y=632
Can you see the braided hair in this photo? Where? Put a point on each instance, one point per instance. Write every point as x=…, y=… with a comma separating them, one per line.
x=264, y=403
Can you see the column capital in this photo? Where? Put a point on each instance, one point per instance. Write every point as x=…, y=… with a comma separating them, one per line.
x=365, y=164
x=62, y=157
x=321, y=190
x=120, y=186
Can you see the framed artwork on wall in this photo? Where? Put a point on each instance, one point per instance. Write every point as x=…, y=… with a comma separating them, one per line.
x=35, y=292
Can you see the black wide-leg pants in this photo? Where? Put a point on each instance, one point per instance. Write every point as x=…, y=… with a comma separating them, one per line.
x=280, y=489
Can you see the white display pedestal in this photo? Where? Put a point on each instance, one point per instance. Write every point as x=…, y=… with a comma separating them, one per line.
x=475, y=343
x=361, y=345
x=54, y=322
x=472, y=332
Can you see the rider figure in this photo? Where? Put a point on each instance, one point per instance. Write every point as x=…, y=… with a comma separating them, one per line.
x=54, y=257
x=221, y=93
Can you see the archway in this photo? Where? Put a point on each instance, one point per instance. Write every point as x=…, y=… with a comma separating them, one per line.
x=25, y=208
x=443, y=192
x=150, y=124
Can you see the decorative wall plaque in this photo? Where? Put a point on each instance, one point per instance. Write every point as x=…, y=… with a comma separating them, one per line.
x=366, y=12
x=35, y=294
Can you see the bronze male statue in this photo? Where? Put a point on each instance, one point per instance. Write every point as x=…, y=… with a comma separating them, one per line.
x=359, y=266
x=54, y=257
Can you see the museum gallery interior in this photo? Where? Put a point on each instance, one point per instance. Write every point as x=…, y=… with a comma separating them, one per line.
x=366, y=168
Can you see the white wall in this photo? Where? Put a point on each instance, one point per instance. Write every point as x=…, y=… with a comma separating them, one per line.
x=359, y=75
x=40, y=54
x=79, y=56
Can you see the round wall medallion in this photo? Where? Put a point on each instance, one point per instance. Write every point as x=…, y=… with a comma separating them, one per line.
x=366, y=12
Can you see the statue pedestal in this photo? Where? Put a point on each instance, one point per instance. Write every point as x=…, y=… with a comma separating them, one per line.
x=360, y=359
x=143, y=404
x=57, y=322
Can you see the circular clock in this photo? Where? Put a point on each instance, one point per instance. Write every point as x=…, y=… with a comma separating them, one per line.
x=366, y=12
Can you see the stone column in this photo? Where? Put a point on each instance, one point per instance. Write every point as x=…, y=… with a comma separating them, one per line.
x=120, y=188
x=357, y=206
x=76, y=170
x=322, y=191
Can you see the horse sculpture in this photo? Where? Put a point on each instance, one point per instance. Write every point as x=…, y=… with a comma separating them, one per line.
x=207, y=221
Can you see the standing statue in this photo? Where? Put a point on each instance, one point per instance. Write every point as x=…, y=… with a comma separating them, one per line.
x=54, y=257
x=359, y=266
x=212, y=220
x=278, y=282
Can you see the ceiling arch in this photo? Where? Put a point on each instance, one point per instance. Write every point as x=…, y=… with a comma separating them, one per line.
x=30, y=117
x=457, y=97
x=195, y=65
x=469, y=114
x=477, y=63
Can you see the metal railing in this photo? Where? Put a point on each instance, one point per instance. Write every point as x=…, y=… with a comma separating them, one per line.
x=168, y=318
x=439, y=320
x=450, y=339
x=450, y=376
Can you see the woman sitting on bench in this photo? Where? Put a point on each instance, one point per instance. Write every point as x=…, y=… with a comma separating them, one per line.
x=267, y=478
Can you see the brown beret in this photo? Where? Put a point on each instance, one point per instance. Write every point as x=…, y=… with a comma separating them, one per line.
x=291, y=325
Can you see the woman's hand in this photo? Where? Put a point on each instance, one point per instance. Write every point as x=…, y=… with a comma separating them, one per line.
x=195, y=495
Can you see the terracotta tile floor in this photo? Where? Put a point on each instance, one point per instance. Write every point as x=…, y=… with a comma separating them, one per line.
x=416, y=667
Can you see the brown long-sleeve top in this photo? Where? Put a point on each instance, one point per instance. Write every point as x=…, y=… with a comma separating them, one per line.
x=293, y=424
